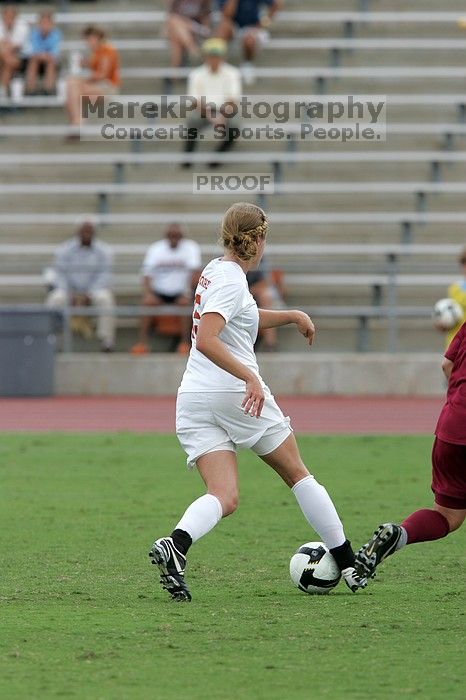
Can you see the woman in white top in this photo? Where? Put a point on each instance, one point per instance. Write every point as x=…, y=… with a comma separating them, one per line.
x=224, y=404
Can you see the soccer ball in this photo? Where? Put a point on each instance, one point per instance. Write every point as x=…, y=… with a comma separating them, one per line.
x=313, y=569
x=447, y=313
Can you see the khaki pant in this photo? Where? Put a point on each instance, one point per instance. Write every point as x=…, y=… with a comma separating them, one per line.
x=103, y=299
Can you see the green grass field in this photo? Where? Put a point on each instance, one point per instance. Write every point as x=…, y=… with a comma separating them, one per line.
x=82, y=615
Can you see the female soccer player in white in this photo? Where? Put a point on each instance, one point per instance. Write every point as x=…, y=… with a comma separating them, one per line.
x=224, y=404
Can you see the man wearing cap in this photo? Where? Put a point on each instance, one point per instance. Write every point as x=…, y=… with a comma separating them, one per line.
x=216, y=86
x=82, y=268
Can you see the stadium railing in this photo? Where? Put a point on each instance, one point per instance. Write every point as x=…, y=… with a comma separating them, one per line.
x=363, y=315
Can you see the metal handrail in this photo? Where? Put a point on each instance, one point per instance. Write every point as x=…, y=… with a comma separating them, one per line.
x=362, y=313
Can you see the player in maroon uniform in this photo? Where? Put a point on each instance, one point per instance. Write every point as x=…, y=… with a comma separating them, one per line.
x=448, y=473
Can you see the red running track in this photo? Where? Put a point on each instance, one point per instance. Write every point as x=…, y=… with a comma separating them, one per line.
x=313, y=414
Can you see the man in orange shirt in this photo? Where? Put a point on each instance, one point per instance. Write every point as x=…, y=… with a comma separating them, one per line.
x=103, y=78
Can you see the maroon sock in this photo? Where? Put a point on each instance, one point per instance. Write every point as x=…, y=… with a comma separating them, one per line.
x=425, y=525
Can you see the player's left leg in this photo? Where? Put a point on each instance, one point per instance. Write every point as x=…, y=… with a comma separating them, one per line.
x=426, y=524
x=430, y=524
x=315, y=503
x=455, y=517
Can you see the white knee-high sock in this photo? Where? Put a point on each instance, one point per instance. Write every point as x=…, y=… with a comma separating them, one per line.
x=319, y=511
x=201, y=516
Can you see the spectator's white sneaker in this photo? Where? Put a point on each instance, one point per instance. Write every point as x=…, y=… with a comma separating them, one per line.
x=248, y=72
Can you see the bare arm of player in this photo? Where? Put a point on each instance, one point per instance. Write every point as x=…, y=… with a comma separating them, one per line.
x=447, y=366
x=208, y=342
x=274, y=319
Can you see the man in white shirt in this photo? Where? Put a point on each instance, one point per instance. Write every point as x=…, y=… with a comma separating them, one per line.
x=171, y=272
x=214, y=85
x=14, y=34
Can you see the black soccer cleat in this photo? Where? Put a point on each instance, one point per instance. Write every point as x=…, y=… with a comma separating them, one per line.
x=381, y=545
x=171, y=564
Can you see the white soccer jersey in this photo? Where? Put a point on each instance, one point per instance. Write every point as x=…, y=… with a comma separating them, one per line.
x=170, y=268
x=223, y=289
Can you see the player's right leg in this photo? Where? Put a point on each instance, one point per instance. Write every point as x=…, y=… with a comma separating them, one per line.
x=219, y=472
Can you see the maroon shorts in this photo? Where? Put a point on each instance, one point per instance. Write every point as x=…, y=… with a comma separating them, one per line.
x=449, y=474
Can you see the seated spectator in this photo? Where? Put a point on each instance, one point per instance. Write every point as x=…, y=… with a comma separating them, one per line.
x=187, y=20
x=103, y=77
x=14, y=33
x=43, y=53
x=266, y=296
x=171, y=272
x=83, y=266
x=218, y=83
x=457, y=292
x=245, y=18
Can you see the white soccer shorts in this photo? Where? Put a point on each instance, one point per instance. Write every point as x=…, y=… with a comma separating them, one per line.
x=212, y=421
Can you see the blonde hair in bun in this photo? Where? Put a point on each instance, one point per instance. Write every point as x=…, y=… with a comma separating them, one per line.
x=243, y=227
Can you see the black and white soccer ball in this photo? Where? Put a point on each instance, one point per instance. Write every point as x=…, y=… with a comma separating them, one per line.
x=447, y=313
x=313, y=569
